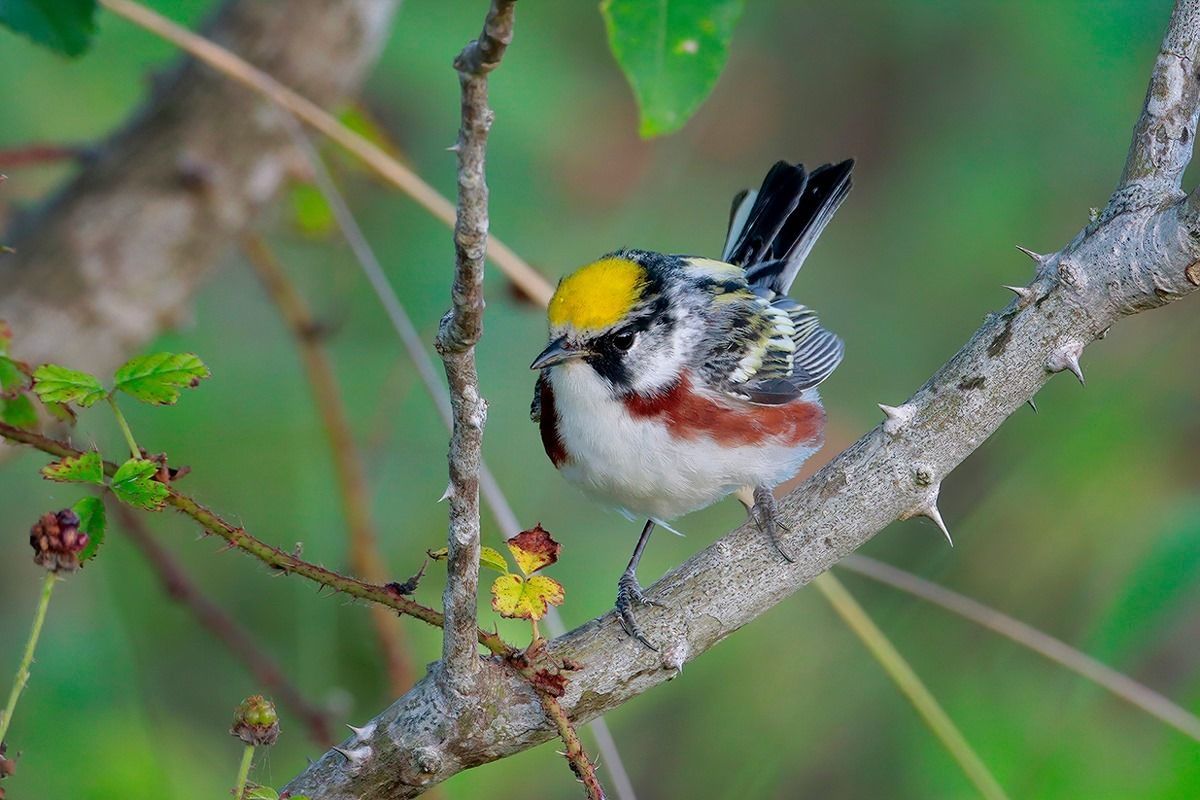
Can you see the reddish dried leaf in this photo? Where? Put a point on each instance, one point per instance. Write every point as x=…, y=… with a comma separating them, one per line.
x=534, y=549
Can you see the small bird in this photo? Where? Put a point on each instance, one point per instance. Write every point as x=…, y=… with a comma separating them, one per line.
x=673, y=381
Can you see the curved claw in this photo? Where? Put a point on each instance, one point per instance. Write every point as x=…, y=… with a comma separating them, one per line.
x=766, y=515
x=629, y=594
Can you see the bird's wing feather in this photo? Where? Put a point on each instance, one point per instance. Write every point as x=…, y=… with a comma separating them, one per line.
x=763, y=349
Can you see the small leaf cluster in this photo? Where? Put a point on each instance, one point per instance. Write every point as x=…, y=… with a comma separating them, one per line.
x=522, y=594
x=155, y=379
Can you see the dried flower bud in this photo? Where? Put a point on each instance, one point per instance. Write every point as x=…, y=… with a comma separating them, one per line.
x=57, y=541
x=255, y=721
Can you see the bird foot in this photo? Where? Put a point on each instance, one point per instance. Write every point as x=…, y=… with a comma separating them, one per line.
x=629, y=595
x=765, y=512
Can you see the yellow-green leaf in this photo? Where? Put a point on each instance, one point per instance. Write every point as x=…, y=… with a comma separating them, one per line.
x=534, y=549
x=490, y=557
x=55, y=384
x=84, y=468
x=311, y=214
x=525, y=598
x=134, y=484
x=157, y=378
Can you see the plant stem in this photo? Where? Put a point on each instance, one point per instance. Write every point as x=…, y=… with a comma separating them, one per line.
x=243, y=772
x=134, y=450
x=39, y=617
x=287, y=563
x=910, y=684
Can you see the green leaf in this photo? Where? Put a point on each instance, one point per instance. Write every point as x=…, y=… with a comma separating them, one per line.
x=55, y=384
x=262, y=793
x=311, y=215
x=134, y=484
x=19, y=412
x=157, y=378
x=85, y=468
x=93, y=522
x=64, y=26
x=5, y=337
x=672, y=52
x=13, y=377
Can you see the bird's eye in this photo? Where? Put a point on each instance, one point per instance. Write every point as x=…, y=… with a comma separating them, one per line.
x=623, y=341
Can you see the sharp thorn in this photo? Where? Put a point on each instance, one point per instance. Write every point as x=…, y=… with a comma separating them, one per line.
x=446, y=495
x=1066, y=358
x=363, y=732
x=1024, y=294
x=896, y=417
x=343, y=753
x=932, y=512
x=1032, y=405
x=1037, y=257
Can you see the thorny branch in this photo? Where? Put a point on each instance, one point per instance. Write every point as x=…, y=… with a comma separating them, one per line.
x=179, y=586
x=365, y=558
x=458, y=333
x=1140, y=253
x=287, y=563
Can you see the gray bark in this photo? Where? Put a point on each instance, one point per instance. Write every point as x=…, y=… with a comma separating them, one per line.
x=114, y=258
x=1141, y=252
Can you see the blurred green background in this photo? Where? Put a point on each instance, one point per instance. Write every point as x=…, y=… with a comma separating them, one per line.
x=976, y=125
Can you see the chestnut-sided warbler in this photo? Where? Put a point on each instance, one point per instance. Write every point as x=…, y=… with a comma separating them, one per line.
x=672, y=381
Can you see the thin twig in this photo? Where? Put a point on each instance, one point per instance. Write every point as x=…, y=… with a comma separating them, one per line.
x=243, y=772
x=494, y=498
x=1027, y=636
x=576, y=756
x=457, y=336
x=365, y=558
x=270, y=555
x=403, y=178
x=29, y=155
x=910, y=684
x=39, y=618
x=179, y=586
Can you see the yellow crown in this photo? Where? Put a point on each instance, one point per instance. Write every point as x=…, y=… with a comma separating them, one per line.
x=595, y=296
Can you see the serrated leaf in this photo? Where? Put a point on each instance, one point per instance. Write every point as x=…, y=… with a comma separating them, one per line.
x=93, y=522
x=84, y=468
x=56, y=384
x=158, y=377
x=672, y=52
x=133, y=484
x=64, y=26
x=491, y=557
x=515, y=597
x=13, y=374
x=534, y=549
x=19, y=412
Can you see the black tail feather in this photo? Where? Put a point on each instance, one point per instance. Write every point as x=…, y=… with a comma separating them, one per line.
x=781, y=226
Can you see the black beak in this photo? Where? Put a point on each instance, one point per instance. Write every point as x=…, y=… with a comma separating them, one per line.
x=556, y=352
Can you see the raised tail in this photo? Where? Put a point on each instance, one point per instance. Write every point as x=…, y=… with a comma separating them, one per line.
x=771, y=231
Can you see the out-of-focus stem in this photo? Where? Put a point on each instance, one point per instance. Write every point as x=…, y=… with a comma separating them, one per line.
x=365, y=558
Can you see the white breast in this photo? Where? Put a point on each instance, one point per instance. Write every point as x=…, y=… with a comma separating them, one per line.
x=636, y=465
